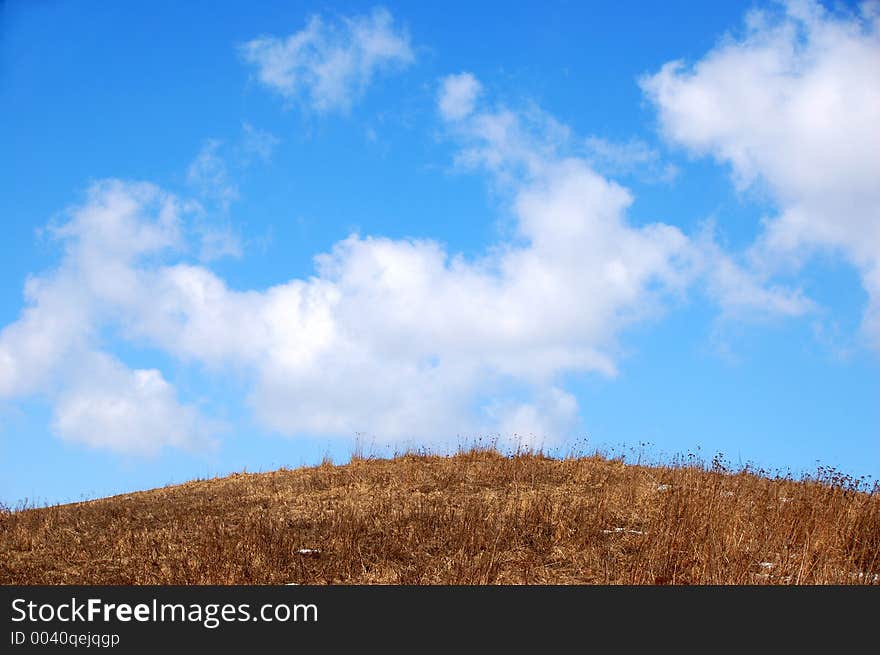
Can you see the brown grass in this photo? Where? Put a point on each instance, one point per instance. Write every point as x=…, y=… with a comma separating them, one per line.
x=475, y=518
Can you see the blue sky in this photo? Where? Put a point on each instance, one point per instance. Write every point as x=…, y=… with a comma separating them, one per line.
x=246, y=237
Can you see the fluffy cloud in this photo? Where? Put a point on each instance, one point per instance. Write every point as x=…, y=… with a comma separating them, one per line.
x=328, y=66
x=792, y=105
x=52, y=350
x=107, y=405
x=395, y=338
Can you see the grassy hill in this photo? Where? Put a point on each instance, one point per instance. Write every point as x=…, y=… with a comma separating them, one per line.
x=474, y=518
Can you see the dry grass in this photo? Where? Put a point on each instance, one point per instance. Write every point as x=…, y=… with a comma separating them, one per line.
x=475, y=518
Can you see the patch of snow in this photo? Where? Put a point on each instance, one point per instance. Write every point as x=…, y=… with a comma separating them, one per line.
x=622, y=530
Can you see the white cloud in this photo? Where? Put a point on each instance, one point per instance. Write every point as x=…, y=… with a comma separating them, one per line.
x=632, y=157
x=533, y=425
x=257, y=143
x=328, y=66
x=741, y=291
x=794, y=105
x=399, y=339
x=53, y=349
x=107, y=405
x=217, y=242
x=458, y=96
x=513, y=145
x=209, y=176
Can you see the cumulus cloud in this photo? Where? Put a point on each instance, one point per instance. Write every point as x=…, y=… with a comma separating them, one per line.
x=396, y=338
x=135, y=411
x=53, y=349
x=327, y=66
x=792, y=104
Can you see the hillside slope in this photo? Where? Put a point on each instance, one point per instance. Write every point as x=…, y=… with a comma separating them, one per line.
x=474, y=518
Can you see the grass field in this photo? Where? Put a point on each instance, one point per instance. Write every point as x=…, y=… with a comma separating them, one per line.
x=478, y=517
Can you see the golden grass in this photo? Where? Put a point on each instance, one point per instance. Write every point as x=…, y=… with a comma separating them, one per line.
x=474, y=518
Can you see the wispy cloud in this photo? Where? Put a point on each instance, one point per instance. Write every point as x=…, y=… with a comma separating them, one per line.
x=213, y=175
x=458, y=95
x=257, y=144
x=629, y=158
x=209, y=176
x=328, y=65
x=217, y=241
